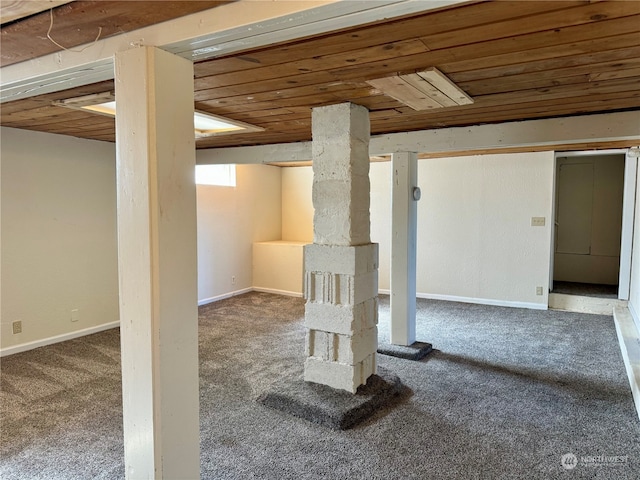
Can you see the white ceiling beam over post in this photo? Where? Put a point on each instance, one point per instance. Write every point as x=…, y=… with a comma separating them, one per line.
x=158, y=267
x=529, y=135
x=404, y=228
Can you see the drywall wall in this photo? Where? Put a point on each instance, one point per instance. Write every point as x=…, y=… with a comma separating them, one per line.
x=589, y=218
x=59, y=246
x=475, y=239
x=230, y=220
x=297, y=207
x=278, y=267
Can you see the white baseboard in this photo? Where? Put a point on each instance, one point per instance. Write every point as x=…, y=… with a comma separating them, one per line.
x=23, y=347
x=87, y=331
x=484, y=301
x=479, y=301
x=277, y=292
x=629, y=341
x=204, y=301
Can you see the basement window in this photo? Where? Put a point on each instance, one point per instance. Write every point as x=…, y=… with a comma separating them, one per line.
x=217, y=175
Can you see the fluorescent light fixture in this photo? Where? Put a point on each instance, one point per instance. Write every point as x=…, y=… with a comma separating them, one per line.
x=204, y=124
x=106, y=108
x=209, y=125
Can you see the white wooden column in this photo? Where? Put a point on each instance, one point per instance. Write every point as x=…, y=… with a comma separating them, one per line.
x=157, y=264
x=403, y=248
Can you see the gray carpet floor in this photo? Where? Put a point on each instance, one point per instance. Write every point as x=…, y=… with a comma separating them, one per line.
x=506, y=393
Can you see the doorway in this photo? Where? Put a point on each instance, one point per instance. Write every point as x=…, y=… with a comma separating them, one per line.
x=589, y=196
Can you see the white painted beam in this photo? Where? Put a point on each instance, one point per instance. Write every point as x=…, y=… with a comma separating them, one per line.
x=548, y=133
x=158, y=267
x=404, y=228
x=229, y=28
x=261, y=154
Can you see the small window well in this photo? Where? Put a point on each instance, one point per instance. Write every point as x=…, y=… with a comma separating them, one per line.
x=204, y=124
x=219, y=175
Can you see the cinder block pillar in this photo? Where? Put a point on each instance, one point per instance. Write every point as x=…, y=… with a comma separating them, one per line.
x=341, y=266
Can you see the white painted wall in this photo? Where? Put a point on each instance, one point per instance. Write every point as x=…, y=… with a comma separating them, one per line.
x=278, y=267
x=475, y=239
x=297, y=208
x=58, y=233
x=230, y=220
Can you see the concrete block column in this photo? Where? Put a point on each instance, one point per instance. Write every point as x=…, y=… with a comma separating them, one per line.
x=341, y=266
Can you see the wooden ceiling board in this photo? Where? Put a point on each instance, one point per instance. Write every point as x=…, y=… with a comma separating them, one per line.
x=467, y=57
x=11, y=10
x=453, y=19
x=587, y=60
x=79, y=22
x=416, y=28
x=599, y=71
x=317, y=63
x=517, y=60
x=550, y=21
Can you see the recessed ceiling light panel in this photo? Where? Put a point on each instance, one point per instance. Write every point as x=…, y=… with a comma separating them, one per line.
x=205, y=124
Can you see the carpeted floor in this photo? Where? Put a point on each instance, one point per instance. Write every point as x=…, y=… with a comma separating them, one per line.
x=506, y=394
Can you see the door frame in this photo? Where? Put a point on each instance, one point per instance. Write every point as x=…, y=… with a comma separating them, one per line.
x=628, y=214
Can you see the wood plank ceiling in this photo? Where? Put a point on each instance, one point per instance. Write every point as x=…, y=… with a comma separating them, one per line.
x=517, y=60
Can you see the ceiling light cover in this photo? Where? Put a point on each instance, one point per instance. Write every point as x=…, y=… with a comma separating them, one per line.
x=424, y=90
x=205, y=124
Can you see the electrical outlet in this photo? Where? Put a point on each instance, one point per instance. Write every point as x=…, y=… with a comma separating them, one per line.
x=17, y=327
x=233, y=280
x=538, y=290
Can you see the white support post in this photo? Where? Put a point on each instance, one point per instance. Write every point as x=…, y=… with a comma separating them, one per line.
x=628, y=215
x=403, y=248
x=157, y=264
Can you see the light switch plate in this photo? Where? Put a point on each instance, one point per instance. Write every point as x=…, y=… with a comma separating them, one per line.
x=537, y=221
